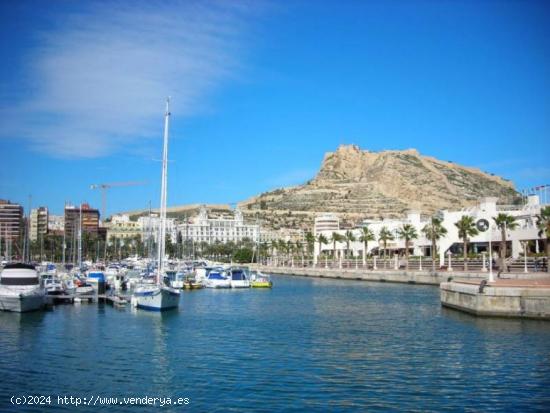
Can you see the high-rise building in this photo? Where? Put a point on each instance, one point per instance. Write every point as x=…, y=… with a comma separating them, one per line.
x=11, y=220
x=38, y=223
x=90, y=220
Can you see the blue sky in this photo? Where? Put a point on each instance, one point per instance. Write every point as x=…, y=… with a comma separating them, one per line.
x=260, y=91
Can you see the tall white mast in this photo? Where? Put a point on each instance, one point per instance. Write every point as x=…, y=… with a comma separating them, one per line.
x=163, y=196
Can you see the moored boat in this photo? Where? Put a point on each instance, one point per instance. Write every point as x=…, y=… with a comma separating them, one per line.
x=239, y=278
x=159, y=297
x=20, y=289
x=217, y=279
x=260, y=280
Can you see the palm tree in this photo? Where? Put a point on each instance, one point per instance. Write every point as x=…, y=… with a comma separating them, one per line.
x=385, y=235
x=408, y=233
x=504, y=222
x=543, y=224
x=434, y=230
x=366, y=236
x=310, y=242
x=349, y=238
x=335, y=238
x=321, y=239
x=466, y=228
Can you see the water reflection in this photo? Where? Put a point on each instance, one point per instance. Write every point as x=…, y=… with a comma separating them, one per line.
x=305, y=345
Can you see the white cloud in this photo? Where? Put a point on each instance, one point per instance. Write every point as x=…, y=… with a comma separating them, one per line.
x=100, y=79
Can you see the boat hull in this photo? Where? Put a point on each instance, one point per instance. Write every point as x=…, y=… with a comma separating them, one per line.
x=240, y=284
x=156, y=299
x=21, y=304
x=218, y=284
x=261, y=284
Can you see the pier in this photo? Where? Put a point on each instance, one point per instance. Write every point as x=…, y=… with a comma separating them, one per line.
x=502, y=298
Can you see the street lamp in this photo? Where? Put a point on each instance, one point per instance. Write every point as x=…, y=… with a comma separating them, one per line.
x=491, y=278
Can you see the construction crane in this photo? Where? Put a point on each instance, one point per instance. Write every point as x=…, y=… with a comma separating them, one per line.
x=105, y=187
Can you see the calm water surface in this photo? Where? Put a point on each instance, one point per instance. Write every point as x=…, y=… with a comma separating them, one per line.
x=307, y=345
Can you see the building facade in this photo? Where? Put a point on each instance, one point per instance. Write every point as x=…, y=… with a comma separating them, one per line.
x=38, y=223
x=150, y=225
x=90, y=220
x=56, y=224
x=11, y=220
x=326, y=223
x=483, y=214
x=222, y=229
x=121, y=227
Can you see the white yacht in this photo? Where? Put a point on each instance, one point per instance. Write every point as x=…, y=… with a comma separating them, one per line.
x=159, y=297
x=217, y=279
x=20, y=289
x=239, y=278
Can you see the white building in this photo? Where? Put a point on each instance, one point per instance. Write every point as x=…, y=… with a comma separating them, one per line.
x=38, y=223
x=150, y=225
x=221, y=229
x=486, y=210
x=284, y=234
x=121, y=227
x=56, y=224
x=326, y=223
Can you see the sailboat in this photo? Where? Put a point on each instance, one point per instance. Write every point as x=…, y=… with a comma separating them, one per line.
x=160, y=296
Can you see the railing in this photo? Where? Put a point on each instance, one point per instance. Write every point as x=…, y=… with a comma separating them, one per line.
x=531, y=264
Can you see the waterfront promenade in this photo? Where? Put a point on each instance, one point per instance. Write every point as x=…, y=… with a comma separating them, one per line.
x=426, y=276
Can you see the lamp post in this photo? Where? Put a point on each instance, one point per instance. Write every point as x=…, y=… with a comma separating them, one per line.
x=374, y=263
x=450, y=267
x=525, y=256
x=491, y=278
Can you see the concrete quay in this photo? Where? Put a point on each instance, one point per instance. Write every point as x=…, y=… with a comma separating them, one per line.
x=381, y=275
x=502, y=298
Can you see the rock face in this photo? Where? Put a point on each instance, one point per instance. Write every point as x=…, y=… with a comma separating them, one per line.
x=384, y=184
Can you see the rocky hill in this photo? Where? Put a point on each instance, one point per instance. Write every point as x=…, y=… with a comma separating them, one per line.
x=359, y=184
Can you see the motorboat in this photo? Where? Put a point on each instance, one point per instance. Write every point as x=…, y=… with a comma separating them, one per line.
x=20, y=288
x=239, y=278
x=217, y=279
x=191, y=283
x=120, y=282
x=260, y=280
x=174, y=279
x=53, y=286
x=97, y=280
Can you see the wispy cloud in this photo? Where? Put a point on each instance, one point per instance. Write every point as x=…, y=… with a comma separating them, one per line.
x=99, y=80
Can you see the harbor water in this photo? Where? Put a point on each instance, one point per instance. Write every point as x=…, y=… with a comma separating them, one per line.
x=307, y=345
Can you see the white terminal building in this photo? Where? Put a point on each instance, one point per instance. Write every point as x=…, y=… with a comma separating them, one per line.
x=221, y=229
x=487, y=209
x=326, y=223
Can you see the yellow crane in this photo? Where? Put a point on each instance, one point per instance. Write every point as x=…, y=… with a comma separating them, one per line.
x=105, y=187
